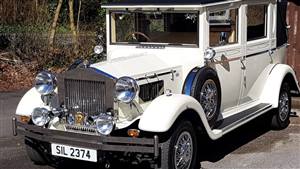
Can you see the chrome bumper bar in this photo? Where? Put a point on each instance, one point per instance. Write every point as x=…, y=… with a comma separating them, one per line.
x=101, y=143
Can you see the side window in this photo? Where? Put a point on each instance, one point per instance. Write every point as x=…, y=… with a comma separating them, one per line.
x=257, y=22
x=223, y=26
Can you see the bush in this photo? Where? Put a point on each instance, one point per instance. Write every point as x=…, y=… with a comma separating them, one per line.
x=24, y=31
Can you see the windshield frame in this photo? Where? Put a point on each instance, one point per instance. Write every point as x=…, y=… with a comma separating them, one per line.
x=195, y=45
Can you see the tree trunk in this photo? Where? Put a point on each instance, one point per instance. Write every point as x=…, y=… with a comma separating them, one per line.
x=72, y=26
x=15, y=12
x=36, y=5
x=54, y=24
x=78, y=17
x=1, y=13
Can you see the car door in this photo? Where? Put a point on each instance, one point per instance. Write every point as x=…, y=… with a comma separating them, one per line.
x=258, y=45
x=224, y=38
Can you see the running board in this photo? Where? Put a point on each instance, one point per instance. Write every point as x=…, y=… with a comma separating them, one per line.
x=234, y=121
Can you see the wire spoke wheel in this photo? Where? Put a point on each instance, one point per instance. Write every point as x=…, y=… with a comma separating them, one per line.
x=281, y=117
x=283, y=106
x=209, y=98
x=180, y=150
x=183, y=151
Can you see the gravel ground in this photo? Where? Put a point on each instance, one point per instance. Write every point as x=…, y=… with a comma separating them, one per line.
x=253, y=146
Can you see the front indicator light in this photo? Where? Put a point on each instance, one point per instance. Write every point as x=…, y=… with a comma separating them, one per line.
x=133, y=133
x=25, y=119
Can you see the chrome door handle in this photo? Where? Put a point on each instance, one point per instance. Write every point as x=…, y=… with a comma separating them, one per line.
x=243, y=64
x=271, y=52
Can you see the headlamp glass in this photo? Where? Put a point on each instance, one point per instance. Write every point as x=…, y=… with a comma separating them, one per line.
x=126, y=89
x=40, y=116
x=105, y=124
x=45, y=83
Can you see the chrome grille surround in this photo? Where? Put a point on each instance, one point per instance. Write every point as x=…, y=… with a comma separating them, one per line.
x=85, y=96
x=87, y=91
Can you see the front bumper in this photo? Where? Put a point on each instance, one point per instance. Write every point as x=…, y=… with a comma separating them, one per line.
x=100, y=143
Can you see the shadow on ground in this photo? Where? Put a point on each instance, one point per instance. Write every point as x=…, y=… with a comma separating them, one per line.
x=214, y=151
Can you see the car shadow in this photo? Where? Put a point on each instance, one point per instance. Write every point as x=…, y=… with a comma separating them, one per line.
x=210, y=150
x=214, y=151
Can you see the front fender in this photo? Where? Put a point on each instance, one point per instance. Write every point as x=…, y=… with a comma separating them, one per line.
x=31, y=100
x=161, y=114
x=278, y=74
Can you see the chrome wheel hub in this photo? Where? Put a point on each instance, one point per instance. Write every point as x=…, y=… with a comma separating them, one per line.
x=209, y=98
x=283, y=106
x=183, y=151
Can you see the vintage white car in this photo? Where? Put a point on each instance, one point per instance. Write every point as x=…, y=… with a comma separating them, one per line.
x=176, y=72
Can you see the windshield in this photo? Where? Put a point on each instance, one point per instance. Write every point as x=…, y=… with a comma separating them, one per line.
x=154, y=27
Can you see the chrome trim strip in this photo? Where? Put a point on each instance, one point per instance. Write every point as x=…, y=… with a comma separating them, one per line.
x=102, y=73
x=155, y=75
x=258, y=53
x=226, y=60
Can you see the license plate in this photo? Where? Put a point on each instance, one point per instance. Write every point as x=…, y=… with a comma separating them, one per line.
x=74, y=152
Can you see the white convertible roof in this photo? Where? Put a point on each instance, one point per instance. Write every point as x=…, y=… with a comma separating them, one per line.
x=164, y=3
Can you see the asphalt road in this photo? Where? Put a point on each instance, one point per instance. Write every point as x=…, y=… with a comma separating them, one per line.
x=253, y=146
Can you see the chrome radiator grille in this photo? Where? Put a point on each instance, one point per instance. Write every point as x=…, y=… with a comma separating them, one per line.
x=85, y=96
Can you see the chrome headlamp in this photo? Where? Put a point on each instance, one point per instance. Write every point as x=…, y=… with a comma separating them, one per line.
x=126, y=89
x=105, y=124
x=45, y=83
x=40, y=116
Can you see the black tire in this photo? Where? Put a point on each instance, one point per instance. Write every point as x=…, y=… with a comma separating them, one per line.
x=207, y=75
x=281, y=117
x=35, y=156
x=168, y=147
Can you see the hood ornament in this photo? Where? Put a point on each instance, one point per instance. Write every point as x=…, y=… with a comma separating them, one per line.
x=86, y=63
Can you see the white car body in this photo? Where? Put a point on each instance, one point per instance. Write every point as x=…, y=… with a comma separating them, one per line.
x=155, y=96
x=242, y=87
